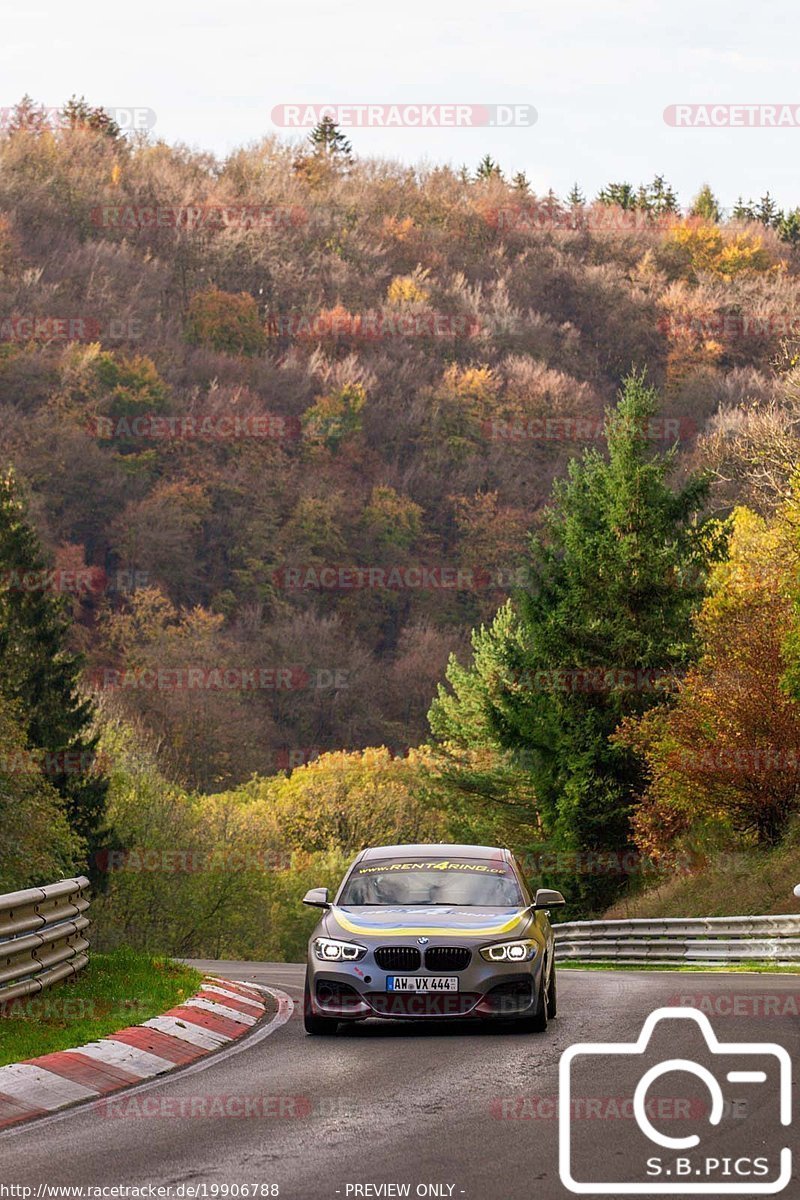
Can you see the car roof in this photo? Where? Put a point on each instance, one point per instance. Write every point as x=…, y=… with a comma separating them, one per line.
x=434, y=850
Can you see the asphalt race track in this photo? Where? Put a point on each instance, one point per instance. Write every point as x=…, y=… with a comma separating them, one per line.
x=470, y=1109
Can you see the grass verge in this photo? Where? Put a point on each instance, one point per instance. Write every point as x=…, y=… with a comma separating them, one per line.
x=742, y=883
x=115, y=990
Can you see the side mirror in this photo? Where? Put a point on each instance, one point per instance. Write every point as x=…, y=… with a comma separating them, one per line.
x=317, y=897
x=547, y=898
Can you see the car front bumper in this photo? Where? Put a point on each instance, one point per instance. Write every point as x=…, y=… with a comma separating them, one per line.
x=353, y=991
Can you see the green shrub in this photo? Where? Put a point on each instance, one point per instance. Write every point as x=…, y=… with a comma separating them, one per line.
x=226, y=322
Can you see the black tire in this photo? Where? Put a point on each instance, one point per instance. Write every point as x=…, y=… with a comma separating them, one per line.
x=552, y=995
x=317, y=1026
x=538, y=1022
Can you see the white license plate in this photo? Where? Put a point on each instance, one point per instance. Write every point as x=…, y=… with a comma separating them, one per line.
x=421, y=983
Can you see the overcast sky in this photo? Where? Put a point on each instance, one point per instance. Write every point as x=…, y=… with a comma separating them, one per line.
x=599, y=72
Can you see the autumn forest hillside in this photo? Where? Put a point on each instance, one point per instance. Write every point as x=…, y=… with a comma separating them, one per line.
x=286, y=420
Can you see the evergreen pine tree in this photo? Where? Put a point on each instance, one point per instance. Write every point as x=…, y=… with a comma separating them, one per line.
x=658, y=197
x=488, y=169
x=38, y=674
x=327, y=139
x=27, y=117
x=605, y=616
x=767, y=211
x=621, y=194
x=79, y=114
x=551, y=204
x=789, y=227
x=706, y=205
x=668, y=201
x=742, y=211
x=643, y=201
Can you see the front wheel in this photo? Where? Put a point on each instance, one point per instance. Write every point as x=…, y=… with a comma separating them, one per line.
x=319, y=1026
x=552, y=995
x=538, y=1022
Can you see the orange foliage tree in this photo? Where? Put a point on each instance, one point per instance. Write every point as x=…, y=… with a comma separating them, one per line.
x=728, y=753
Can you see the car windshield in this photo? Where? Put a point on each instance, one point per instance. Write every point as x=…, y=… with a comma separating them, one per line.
x=433, y=881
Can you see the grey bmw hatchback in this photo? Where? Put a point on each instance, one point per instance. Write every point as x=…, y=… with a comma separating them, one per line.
x=431, y=932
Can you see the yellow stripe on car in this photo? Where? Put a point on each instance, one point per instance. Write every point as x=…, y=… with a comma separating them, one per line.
x=437, y=930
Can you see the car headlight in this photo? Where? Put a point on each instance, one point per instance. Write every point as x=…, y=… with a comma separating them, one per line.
x=330, y=950
x=522, y=951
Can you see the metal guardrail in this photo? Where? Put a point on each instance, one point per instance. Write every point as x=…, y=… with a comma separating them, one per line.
x=713, y=941
x=42, y=937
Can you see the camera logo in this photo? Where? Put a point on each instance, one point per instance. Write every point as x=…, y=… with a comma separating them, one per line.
x=682, y=1166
